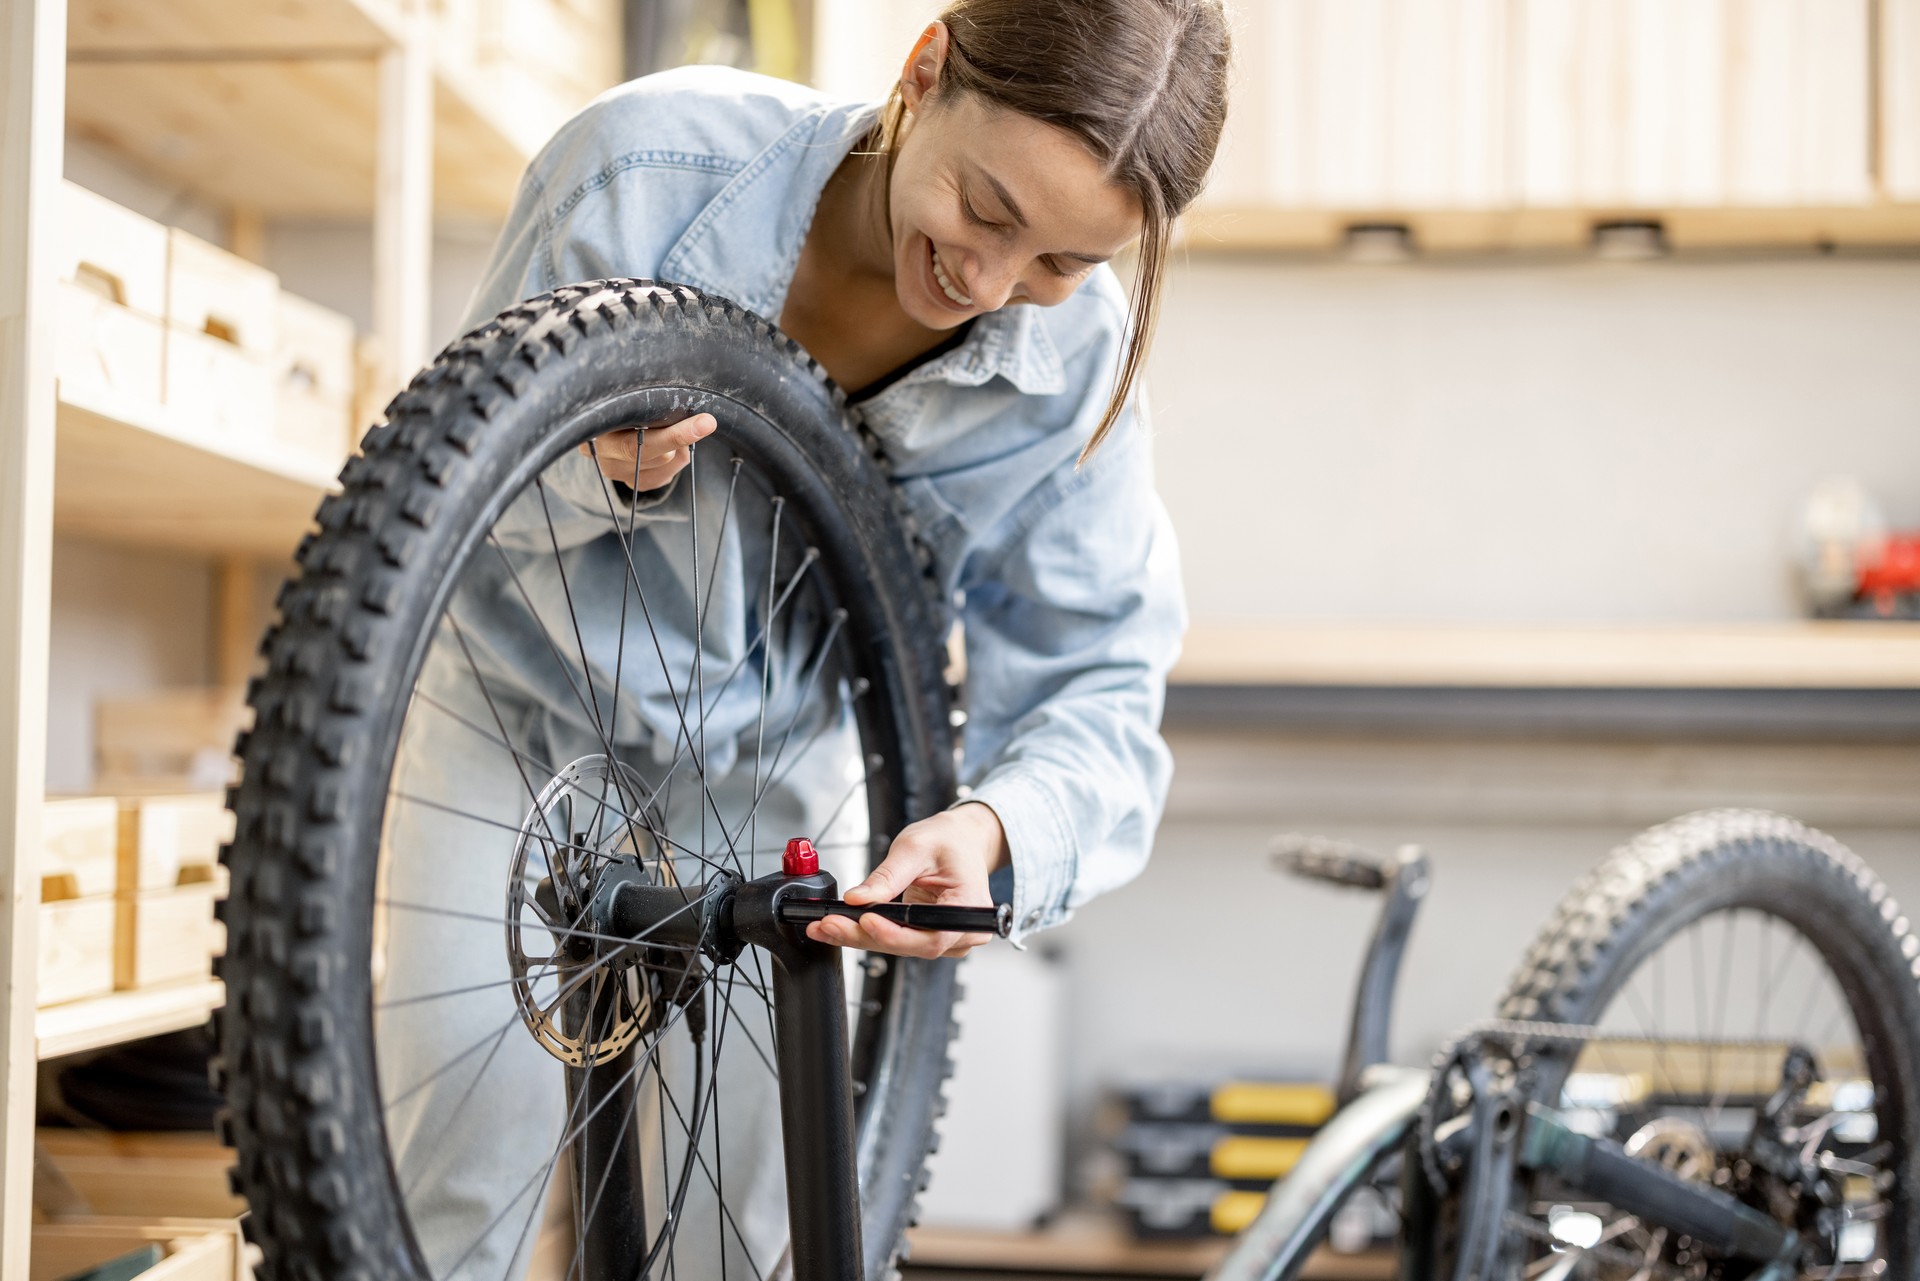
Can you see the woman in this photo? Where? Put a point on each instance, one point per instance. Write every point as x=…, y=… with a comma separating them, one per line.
x=1025, y=145
x=944, y=257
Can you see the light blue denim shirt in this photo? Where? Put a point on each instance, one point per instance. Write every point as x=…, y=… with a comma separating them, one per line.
x=1066, y=578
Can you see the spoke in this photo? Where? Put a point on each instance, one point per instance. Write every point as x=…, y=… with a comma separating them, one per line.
x=806, y=690
x=641, y=937
x=566, y=1141
x=500, y=723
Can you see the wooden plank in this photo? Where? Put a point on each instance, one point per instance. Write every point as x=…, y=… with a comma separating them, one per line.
x=121, y=27
x=148, y=1176
x=1569, y=230
x=123, y=1016
x=1756, y=656
x=194, y=1249
x=137, y=473
x=295, y=138
x=1094, y=1244
x=1898, y=113
x=403, y=206
x=32, y=88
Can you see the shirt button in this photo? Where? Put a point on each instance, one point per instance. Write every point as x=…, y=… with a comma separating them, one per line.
x=1033, y=920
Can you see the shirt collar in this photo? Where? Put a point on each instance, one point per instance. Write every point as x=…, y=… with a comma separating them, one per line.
x=746, y=244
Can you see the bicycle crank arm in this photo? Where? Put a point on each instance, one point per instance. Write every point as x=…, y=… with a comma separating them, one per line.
x=1659, y=1197
x=997, y=921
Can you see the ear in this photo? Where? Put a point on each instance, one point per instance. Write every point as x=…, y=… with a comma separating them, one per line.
x=922, y=72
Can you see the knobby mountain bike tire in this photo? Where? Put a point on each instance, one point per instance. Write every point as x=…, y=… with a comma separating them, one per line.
x=372, y=925
x=1743, y=933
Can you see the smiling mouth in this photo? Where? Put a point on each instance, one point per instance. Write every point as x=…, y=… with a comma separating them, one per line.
x=945, y=281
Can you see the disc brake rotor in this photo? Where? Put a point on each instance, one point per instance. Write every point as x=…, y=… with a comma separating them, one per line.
x=593, y=812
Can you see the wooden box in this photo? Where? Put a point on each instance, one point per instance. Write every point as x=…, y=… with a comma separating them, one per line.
x=76, y=945
x=166, y=936
x=80, y=837
x=190, y=1249
x=149, y=1176
x=112, y=251
x=220, y=389
x=102, y=348
x=315, y=374
x=166, y=841
x=216, y=294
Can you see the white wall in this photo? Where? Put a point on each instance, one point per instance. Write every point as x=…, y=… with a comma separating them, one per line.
x=1524, y=439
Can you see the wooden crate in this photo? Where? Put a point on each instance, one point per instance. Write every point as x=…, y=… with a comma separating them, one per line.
x=169, y=740
x=76, y=944
x=220, y=295
x=220, y=388
x=315, y=376
x=148, y=1176
x=101, y=348
x=166, y=936
x=166, y=841
x=80, y=837
x=114, y=251
x=192, y=1249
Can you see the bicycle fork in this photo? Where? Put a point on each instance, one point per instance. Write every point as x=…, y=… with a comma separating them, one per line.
x=811, y=1045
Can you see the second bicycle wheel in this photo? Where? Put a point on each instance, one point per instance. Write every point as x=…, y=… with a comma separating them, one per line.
x=499, y=674
x=1752, y=989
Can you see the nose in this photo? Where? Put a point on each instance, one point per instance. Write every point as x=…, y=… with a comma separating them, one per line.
x=989, y=283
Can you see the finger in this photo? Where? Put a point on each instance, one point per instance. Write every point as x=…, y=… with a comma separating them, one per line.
x=873, y=933
x=660, y=440
x=902, y=866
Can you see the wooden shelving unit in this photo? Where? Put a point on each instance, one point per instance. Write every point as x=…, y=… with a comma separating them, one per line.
x=1812, y=655
x=272, y=108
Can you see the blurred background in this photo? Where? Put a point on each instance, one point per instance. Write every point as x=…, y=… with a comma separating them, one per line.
x=1536, y=397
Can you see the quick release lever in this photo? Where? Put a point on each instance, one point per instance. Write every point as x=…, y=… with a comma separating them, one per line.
x=802, y=860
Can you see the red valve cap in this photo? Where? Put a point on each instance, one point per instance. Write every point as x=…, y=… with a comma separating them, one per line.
x=801, y=859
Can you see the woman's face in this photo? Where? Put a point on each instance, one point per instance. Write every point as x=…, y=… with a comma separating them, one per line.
x=990, y=207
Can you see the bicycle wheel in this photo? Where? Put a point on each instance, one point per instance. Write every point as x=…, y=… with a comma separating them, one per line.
x=498, y=675
x=1711, y=952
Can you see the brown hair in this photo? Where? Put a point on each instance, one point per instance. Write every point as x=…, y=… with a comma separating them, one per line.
x=1143, y=83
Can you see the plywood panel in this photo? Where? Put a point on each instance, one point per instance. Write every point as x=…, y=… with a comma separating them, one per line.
x=1899, y=106
x=132, y=474
x=299, y=26
x=1756, y=656
x=1383, y=104
x=292, y=138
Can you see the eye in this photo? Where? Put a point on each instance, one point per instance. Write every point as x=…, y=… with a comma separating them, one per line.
x=973, y=216
x=1054, y=265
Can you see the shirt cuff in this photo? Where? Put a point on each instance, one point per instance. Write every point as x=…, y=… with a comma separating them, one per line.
x=1041, y=844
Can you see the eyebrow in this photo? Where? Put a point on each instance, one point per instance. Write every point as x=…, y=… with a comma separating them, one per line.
x=1013, y=208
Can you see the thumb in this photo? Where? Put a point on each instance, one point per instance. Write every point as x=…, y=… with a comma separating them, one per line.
x=885, y=882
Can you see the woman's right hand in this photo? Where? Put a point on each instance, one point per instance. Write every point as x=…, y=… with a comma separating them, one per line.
x=662, y=449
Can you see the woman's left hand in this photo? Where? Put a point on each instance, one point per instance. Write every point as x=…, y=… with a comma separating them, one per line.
x=943, y=859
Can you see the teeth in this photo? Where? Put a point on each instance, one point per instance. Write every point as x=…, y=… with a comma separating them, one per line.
x=946, y=283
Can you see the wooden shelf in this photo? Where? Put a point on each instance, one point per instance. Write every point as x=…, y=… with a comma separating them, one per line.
x=136, y=474
x=124, y=1016
x=1443, y=231
x=1087, y=1243
x=1823, y=655
x=271, y=106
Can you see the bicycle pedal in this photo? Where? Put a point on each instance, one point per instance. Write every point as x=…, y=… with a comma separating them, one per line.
x=1322, y=858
